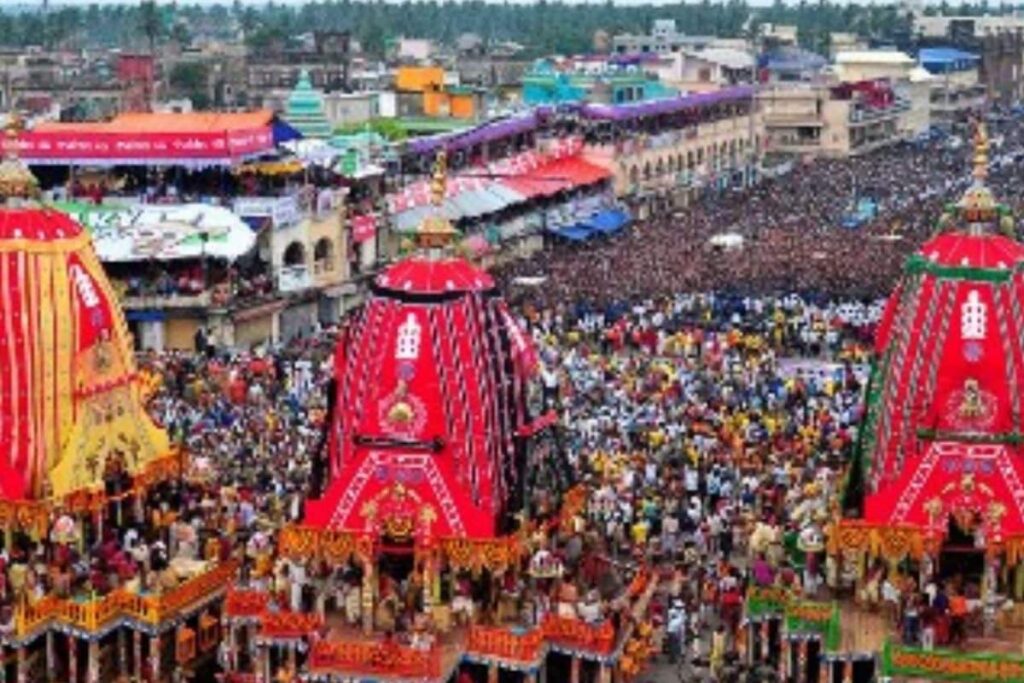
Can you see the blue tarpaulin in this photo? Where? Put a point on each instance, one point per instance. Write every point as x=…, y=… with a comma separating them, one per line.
x=573, y=233
x=865, y=212
x=144, y=315
x=609, y=221
x=284, y=132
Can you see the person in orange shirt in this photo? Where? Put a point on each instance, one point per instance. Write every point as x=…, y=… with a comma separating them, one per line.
x=958, y=618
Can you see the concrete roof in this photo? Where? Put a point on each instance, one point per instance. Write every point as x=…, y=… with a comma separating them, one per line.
x=873, y=57
x=725, y=56
x=919, y=74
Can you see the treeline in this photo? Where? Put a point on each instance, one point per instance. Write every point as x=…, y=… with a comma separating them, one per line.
x=543, y=27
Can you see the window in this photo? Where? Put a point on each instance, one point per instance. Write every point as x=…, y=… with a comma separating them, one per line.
x=407, y=345
x=295, y=254
x=323, y=255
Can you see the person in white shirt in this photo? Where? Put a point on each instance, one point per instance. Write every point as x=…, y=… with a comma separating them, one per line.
x=676, y=630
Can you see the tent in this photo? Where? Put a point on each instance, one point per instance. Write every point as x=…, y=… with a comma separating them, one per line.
x=165, y=232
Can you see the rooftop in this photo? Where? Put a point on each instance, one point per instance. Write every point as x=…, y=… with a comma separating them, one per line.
x=728, y=57
x=950, y=55
x=873, y=57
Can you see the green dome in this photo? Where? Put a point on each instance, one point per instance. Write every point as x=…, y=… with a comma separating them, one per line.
x=305, y=109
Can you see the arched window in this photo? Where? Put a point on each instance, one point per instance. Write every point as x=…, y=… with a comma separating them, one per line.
x=323, y=255
x=295, y=254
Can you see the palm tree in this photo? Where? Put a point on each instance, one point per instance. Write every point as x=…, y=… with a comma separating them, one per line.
x=150, y=23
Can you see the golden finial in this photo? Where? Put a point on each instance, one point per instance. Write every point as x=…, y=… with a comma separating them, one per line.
x=439, y=181
x=16, y=180
x=436, y=231
x=980, y=152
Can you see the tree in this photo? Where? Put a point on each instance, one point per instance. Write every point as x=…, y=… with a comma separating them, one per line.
x=150, y=23
x=191, y=80
x=180, y=34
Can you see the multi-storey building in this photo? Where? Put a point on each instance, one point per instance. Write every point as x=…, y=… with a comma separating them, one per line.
x=956, y=90
x=693, y=144
x=838, y=120
x=997, y=41
x=664, y=38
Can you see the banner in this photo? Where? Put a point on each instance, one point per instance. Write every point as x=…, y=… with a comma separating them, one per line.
x=364, y=228
x=40, y=147
x=946, y=665
x=283, y=211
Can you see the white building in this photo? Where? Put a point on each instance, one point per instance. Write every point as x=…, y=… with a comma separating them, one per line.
x=664, y=38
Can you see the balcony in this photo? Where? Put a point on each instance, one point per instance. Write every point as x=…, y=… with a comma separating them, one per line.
x=872, y=144
x=96, y=615
x=294, y=278
x=862, y=116
x=282, y=211
x=953, y=103
x=792, y=120
x=169, y=302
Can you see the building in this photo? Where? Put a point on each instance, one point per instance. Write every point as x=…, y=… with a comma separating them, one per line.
x=501, y=75
x=918, y=87
x=787, y=64
x=305, y=110
x=704, y=70
x=432, y=92
x=716, y=145
x=943, y=26
x=852, y=66
x=778, y=35
x=350, y=109
x=909, y=81
x=271, y=74
x=414, y=50
x=956, y=91
x=832, y=120
x=81, y=85
x=304, y=237
x=591, y=81
x=844, y=42
x=998, y=41
x=137, y=74
x=664, y=38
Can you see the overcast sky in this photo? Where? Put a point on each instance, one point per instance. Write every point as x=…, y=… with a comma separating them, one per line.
x=22, y=4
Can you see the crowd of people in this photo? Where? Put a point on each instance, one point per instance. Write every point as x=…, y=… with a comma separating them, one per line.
x=708, y=399
x=791, y=229
x=705, y=445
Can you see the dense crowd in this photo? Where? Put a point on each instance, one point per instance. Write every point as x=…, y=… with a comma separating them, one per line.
x=791, y=230
x=251, y=423
x=706, y=444
x=712, y=429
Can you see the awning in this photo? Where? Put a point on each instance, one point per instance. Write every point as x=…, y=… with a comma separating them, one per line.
x=555, y=176
x=165, y=232
x=196, y=140
x=407, y=221
x=284, y=132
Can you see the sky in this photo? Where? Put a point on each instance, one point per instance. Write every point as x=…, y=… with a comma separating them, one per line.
x=24, y=5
